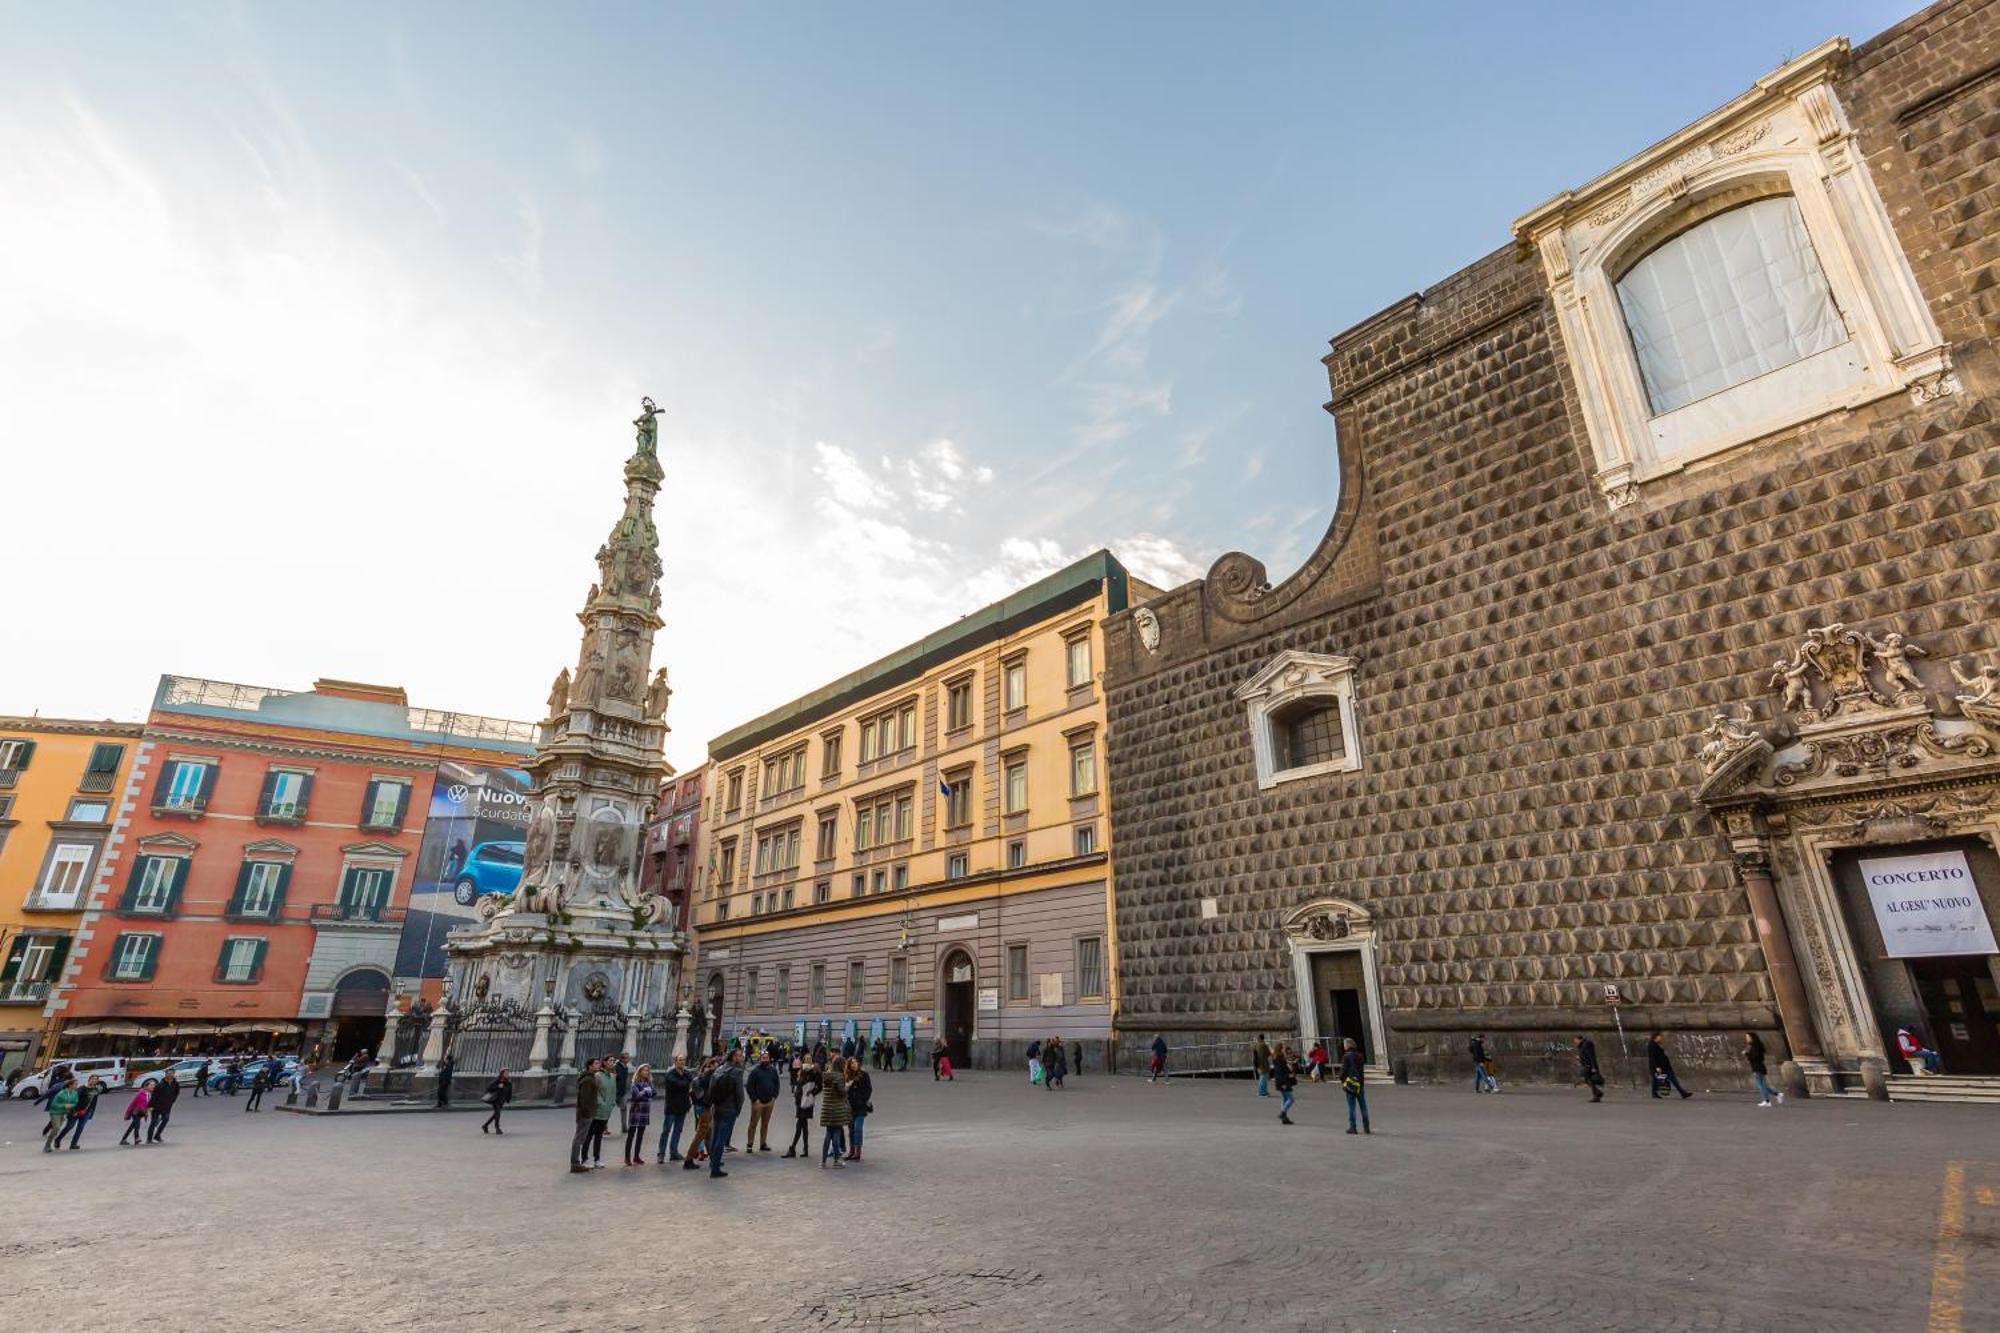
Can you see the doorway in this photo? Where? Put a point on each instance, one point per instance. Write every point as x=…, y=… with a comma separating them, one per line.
x=360, y=1003
x=1340, y=1001
x=1962, y=1007
x=960, y=997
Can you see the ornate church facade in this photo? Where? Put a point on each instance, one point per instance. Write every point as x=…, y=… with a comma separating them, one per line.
x=1645, y=676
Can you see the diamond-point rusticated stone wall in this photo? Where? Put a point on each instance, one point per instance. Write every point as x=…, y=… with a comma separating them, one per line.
x=1535, y=669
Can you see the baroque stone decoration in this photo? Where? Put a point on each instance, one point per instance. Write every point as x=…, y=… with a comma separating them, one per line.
x=1149, y=628
x=1537, y=818
x=579, y=932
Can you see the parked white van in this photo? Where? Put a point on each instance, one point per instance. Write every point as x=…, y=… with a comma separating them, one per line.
x=115, y=1070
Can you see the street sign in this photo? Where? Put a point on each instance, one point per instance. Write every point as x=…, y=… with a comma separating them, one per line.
x=1611, y=995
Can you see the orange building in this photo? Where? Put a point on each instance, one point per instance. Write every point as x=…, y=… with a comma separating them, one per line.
x=59, y=785
x=262, y=864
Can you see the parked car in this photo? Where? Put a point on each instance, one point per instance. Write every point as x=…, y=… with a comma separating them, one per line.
x=116, y=1071
x=282, y=1066
x=491, y=867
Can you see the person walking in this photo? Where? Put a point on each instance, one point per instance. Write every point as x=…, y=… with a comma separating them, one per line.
x=1159, y=1066
x=762, y=1087
x=704, y=1115
x=1482, y=1077
x=61, y=1105
x=135, y=1114
x=834, y=1116
x=586, y=1115
x=607, y=1102
x=498, y=1093
x=1260, y=1065
x=639, y=1094
x=902, y=1054
x=258, y=1086
x=201, y=1079
x=160, y=1108
x=1280, y=1070
x=1353, y=1078
x=938, y=1057
x=446, y=1067
x=1055, y=1064
x=725, y=1098
x=1661, y=1066
x=1586, y=1067
x=860, y=1103
x=674, y=1085
x=805, y=1101
x=1035, y=1061
x=1753, y=1055
x=83, y=1112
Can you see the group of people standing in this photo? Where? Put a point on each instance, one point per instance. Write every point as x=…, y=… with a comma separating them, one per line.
x=72, y=1106
x=1281, y=1068
x=1048, y=1063
x=833, y=1088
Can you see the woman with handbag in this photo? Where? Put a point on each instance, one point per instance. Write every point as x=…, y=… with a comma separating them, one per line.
x=498, y=1093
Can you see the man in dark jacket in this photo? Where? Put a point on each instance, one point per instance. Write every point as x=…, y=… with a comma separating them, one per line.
x=704, y=1115
x=444, y=1082
x=725, y=1100
x=675, y=1086
x=1661, y=1066
x=762, y=1085
x=1481, y=1080
x=161, y=1108
x=258, y=1086
x=1586, y=1066
x=586, y=1112
x=621, y=1071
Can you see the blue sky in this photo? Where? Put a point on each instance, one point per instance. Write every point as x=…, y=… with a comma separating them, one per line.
x=326, y=324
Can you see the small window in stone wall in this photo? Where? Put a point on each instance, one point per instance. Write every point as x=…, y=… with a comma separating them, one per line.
x=1300, y=711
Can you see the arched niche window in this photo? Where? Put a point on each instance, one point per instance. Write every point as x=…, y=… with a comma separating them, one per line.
x=1301, y=715
x=1737, y=279
x=1732, y=297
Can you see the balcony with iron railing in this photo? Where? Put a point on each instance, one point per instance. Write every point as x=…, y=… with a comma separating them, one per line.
x=290, y=813
x=25, y=992
x=356, y=914
x=97, y=782
x=190, y=804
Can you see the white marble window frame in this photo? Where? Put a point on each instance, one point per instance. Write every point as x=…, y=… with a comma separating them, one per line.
x=1292, y=677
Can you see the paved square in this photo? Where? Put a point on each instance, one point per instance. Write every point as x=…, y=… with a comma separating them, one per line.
x=990, y=1204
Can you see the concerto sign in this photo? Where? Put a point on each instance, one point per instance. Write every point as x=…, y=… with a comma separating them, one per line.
x=1927, y=904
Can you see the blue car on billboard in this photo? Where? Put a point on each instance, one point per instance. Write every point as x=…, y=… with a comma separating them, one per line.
x=491, y=867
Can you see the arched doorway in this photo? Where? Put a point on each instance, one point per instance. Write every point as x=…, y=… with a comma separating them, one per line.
x=957, y=985
x=360, y=1006
x=715, y=993
x=1332, y=943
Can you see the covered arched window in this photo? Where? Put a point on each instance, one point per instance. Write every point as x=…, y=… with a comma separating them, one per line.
x=1733, y=297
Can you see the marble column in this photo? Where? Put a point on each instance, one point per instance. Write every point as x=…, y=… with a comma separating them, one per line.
x=1794, y=1008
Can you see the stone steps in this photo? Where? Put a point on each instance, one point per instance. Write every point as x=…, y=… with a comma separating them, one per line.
x=1944, y=1088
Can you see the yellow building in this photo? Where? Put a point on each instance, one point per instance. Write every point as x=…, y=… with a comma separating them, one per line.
x=61, y=783
x=924, y=846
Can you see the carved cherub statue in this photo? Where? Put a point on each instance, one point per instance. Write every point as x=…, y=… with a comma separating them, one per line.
x=1791, y=676
x=1981, y=684
x=1724, y=736
x=559, y=693
x=1893, y=651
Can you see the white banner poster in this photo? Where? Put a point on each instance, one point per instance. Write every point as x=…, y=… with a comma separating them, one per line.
x=1927, y=904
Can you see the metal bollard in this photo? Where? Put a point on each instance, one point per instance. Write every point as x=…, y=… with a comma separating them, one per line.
x=333, y=1098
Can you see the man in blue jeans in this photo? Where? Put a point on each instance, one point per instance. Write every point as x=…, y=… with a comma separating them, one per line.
x=725, y=1099
x=1260, y=1065
x=674, y=1104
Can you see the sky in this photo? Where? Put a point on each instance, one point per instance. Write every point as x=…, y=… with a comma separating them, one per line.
x=322, y=327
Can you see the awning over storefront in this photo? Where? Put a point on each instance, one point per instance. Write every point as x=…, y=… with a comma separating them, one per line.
x=110, y=1028
x=276, y=1027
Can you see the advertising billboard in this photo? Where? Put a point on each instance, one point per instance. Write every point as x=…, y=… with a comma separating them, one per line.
x=475, y=835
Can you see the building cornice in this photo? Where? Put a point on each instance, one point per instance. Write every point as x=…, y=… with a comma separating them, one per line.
x=69, y=726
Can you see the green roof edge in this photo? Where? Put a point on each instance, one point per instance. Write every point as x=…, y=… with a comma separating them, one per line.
x=1070, y=586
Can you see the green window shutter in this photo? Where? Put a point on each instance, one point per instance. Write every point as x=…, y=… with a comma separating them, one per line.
x=264, y=796
x=152, y=958
x=242, y=885
x=163, y=783
x=12, y=967
x=402, y=803
x=346, y=887
x=181, y=868
x=111, y=955
x=132, y=883
x=27, y=756
x=105, y=758
x=257, y=960
x=278, y=897
x=305, y=794
x=58, y=960
x=368, y=803
x=208, y=773
x=222, y=959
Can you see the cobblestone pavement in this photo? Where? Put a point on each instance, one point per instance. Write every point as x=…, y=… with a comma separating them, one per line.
x=990, y=1204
